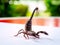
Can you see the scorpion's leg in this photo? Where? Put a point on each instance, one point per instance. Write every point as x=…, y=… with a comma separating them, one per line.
x=26, y=33
x=25, y=36
x=19, y=32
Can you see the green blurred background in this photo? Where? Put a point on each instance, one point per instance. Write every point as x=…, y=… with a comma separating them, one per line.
x=24, y=8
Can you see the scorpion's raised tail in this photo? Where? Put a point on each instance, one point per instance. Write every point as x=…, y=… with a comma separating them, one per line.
x=42, y=32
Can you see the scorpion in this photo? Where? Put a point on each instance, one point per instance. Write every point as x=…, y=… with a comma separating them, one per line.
x=28, y=28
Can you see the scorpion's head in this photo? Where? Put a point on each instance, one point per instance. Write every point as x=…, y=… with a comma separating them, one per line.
x=37, y=36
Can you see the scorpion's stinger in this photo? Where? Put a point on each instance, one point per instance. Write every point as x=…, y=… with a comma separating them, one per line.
x=28, y=26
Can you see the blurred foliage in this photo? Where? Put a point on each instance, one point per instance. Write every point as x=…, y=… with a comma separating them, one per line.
x=18, y=10
x=53, y=7
x=11, y=10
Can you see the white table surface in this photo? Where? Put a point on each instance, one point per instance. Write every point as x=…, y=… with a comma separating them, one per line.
x=7, y=32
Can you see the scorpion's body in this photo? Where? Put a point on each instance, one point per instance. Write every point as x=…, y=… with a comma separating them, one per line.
x=28, y=28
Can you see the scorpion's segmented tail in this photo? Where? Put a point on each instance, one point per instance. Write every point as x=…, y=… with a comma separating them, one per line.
x=42, y=32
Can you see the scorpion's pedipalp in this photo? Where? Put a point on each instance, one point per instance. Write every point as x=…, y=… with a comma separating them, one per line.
x=42, y=32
